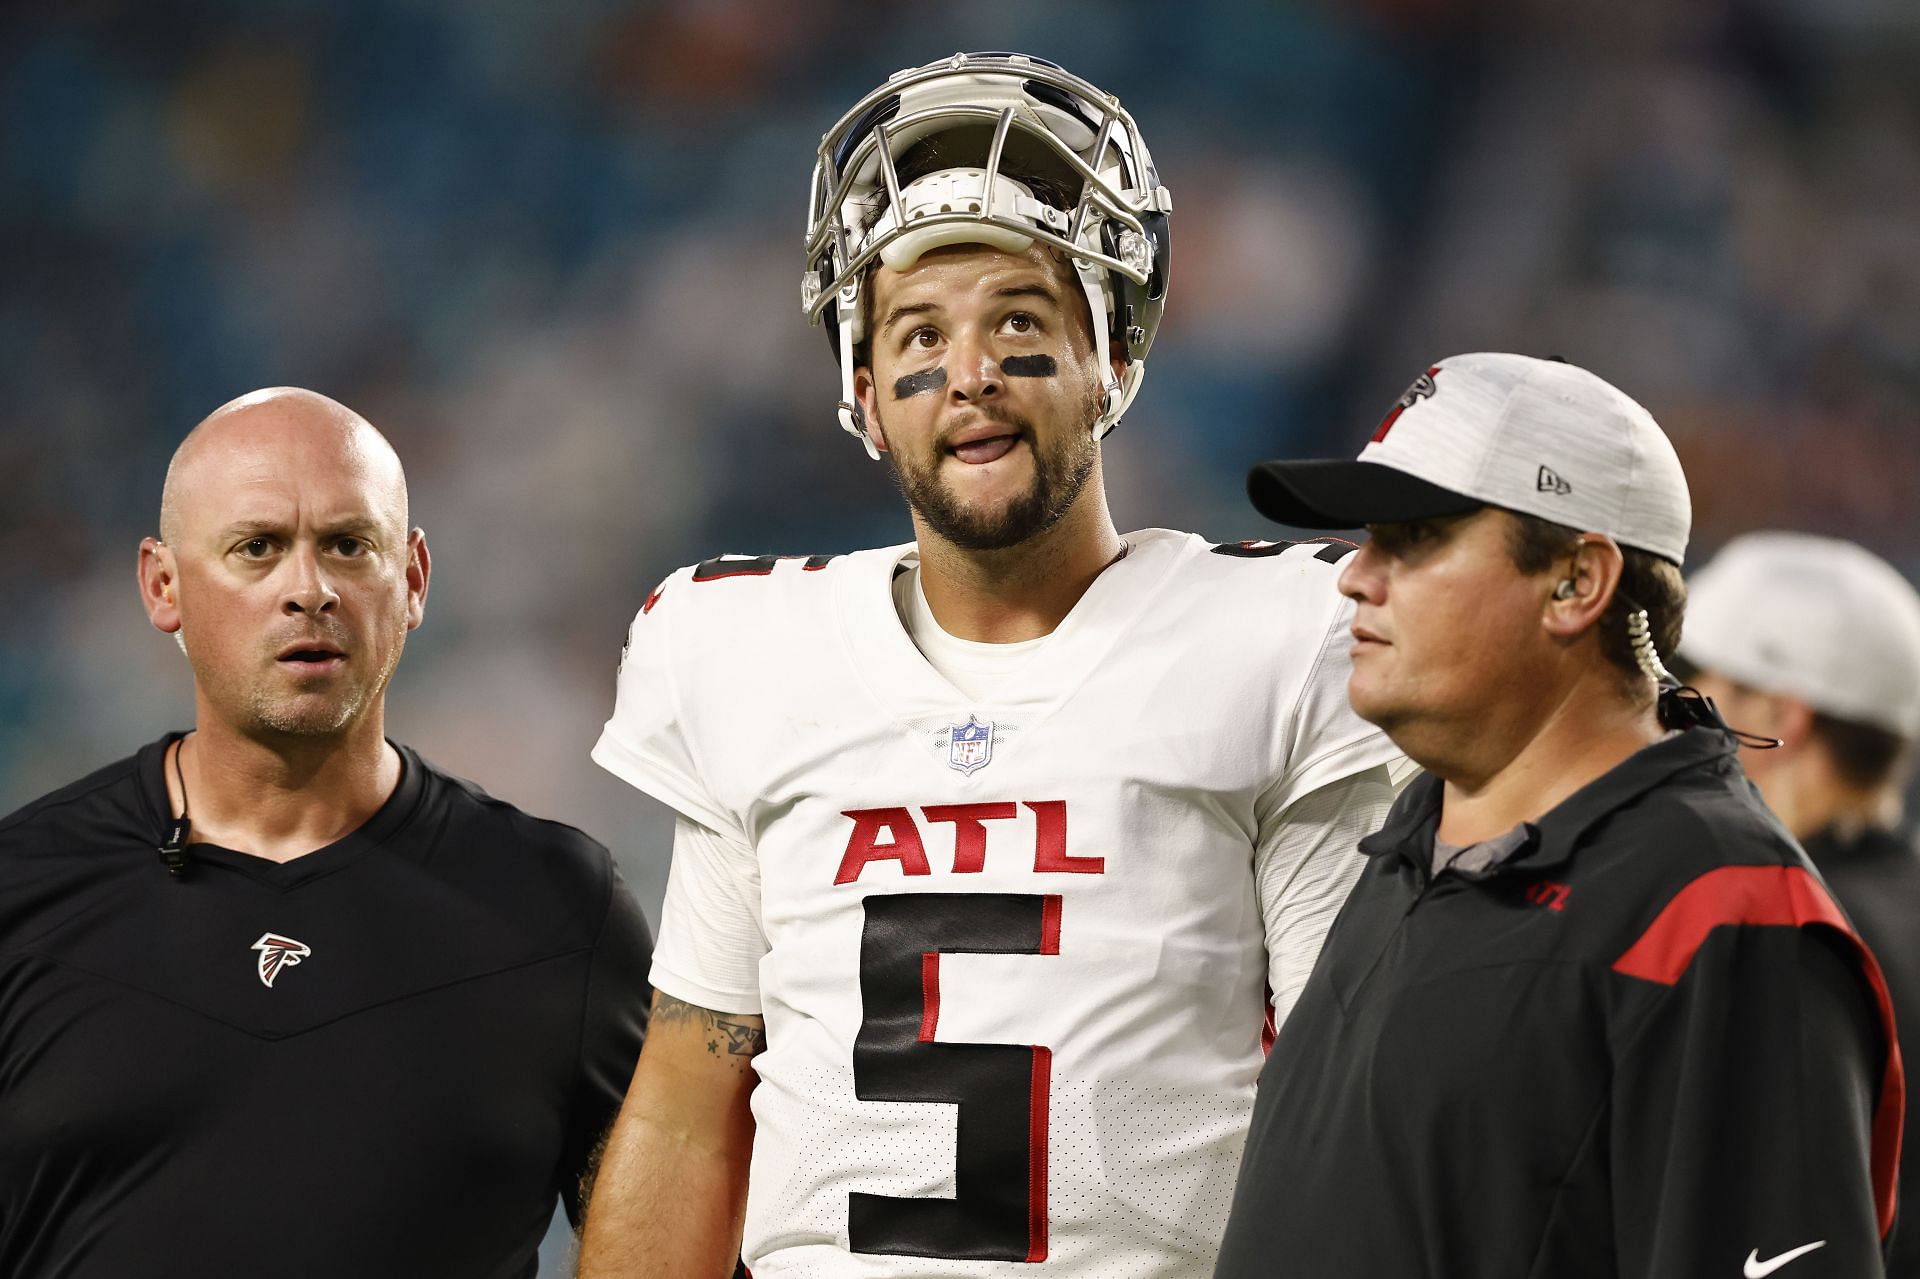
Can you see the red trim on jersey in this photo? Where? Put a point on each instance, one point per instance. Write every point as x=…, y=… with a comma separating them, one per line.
x=654, y=598
x=1037, y=1147
x=1038, y=1102
x=929, y=994
x=1268, y=1030
x=1776, y=896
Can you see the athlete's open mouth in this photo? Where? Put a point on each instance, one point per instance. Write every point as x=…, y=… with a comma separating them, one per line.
x=987, y=438
x=993, y=447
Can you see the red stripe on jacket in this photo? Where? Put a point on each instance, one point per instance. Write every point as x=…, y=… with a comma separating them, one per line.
x=1786, y=896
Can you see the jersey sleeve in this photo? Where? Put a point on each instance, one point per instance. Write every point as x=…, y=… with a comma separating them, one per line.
x=1743, y=1115
x=1323, y=738
x=648, y=742
x=1304, y=866
x=711, y=933
x=613, y=1022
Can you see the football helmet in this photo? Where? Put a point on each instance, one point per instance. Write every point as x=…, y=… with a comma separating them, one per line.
x=1000, y=149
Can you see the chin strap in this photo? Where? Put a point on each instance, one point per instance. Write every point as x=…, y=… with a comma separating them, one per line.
x=853, y=420
x=1093, y=282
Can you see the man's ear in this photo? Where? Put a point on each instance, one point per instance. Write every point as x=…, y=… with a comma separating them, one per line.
x=419, y=568
x=1579, y=590
x=159, y=585
x=863, y=391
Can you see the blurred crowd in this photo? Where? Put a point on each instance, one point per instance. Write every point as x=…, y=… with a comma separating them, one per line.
x=554, y=252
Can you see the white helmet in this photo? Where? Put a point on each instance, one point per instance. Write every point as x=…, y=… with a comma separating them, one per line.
x=952, y=153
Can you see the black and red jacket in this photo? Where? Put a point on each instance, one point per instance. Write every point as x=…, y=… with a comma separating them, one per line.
x=1646, y=1044
x=389, y=1057
x=1876, y=875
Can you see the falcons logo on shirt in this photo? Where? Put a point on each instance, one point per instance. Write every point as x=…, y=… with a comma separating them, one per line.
x=276, y=953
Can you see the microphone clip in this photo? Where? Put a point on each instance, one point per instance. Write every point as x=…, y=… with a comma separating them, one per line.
x=173, y=853
x=1683, y=706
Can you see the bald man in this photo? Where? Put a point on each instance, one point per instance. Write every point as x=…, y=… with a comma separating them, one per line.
x=277, y=996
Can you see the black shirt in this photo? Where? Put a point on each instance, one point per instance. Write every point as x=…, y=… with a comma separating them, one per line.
x=386, y=1057
x=1644, y=1045
x=1876, y=876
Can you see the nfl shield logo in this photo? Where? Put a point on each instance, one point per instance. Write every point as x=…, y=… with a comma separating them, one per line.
x=970, y=745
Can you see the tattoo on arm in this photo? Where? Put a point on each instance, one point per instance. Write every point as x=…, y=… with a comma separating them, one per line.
x=728, y=1034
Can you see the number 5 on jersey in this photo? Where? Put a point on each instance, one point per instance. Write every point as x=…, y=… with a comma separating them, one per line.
x=999, y=1210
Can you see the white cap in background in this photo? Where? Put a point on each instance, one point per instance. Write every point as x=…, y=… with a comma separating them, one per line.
x=1814, y=617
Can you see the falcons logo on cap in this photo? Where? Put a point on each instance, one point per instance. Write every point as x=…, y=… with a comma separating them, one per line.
x=276, y=953
x=1422, y=387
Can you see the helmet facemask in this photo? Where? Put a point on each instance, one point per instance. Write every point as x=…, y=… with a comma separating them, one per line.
x=1000, y=150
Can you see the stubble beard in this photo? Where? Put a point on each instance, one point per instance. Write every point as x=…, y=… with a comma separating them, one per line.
x=266, y=712
x=286, y=717
x=1060, y=474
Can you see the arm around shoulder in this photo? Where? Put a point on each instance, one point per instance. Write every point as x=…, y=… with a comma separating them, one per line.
x=670, y=1197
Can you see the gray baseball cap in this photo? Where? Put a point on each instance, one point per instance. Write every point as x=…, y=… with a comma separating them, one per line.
x=1492, y=429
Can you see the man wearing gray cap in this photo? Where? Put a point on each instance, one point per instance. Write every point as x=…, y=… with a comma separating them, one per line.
x=1588, y=1011
x=1815, y=642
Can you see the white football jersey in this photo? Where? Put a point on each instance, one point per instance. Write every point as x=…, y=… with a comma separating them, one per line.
x=1011, y=955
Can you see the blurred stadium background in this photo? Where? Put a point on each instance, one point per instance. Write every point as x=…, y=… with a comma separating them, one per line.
x=553, y=251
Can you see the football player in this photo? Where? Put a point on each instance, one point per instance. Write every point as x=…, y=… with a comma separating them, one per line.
x=996, y=850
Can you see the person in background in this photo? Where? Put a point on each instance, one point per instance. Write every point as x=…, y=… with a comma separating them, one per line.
x=1815, y=642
